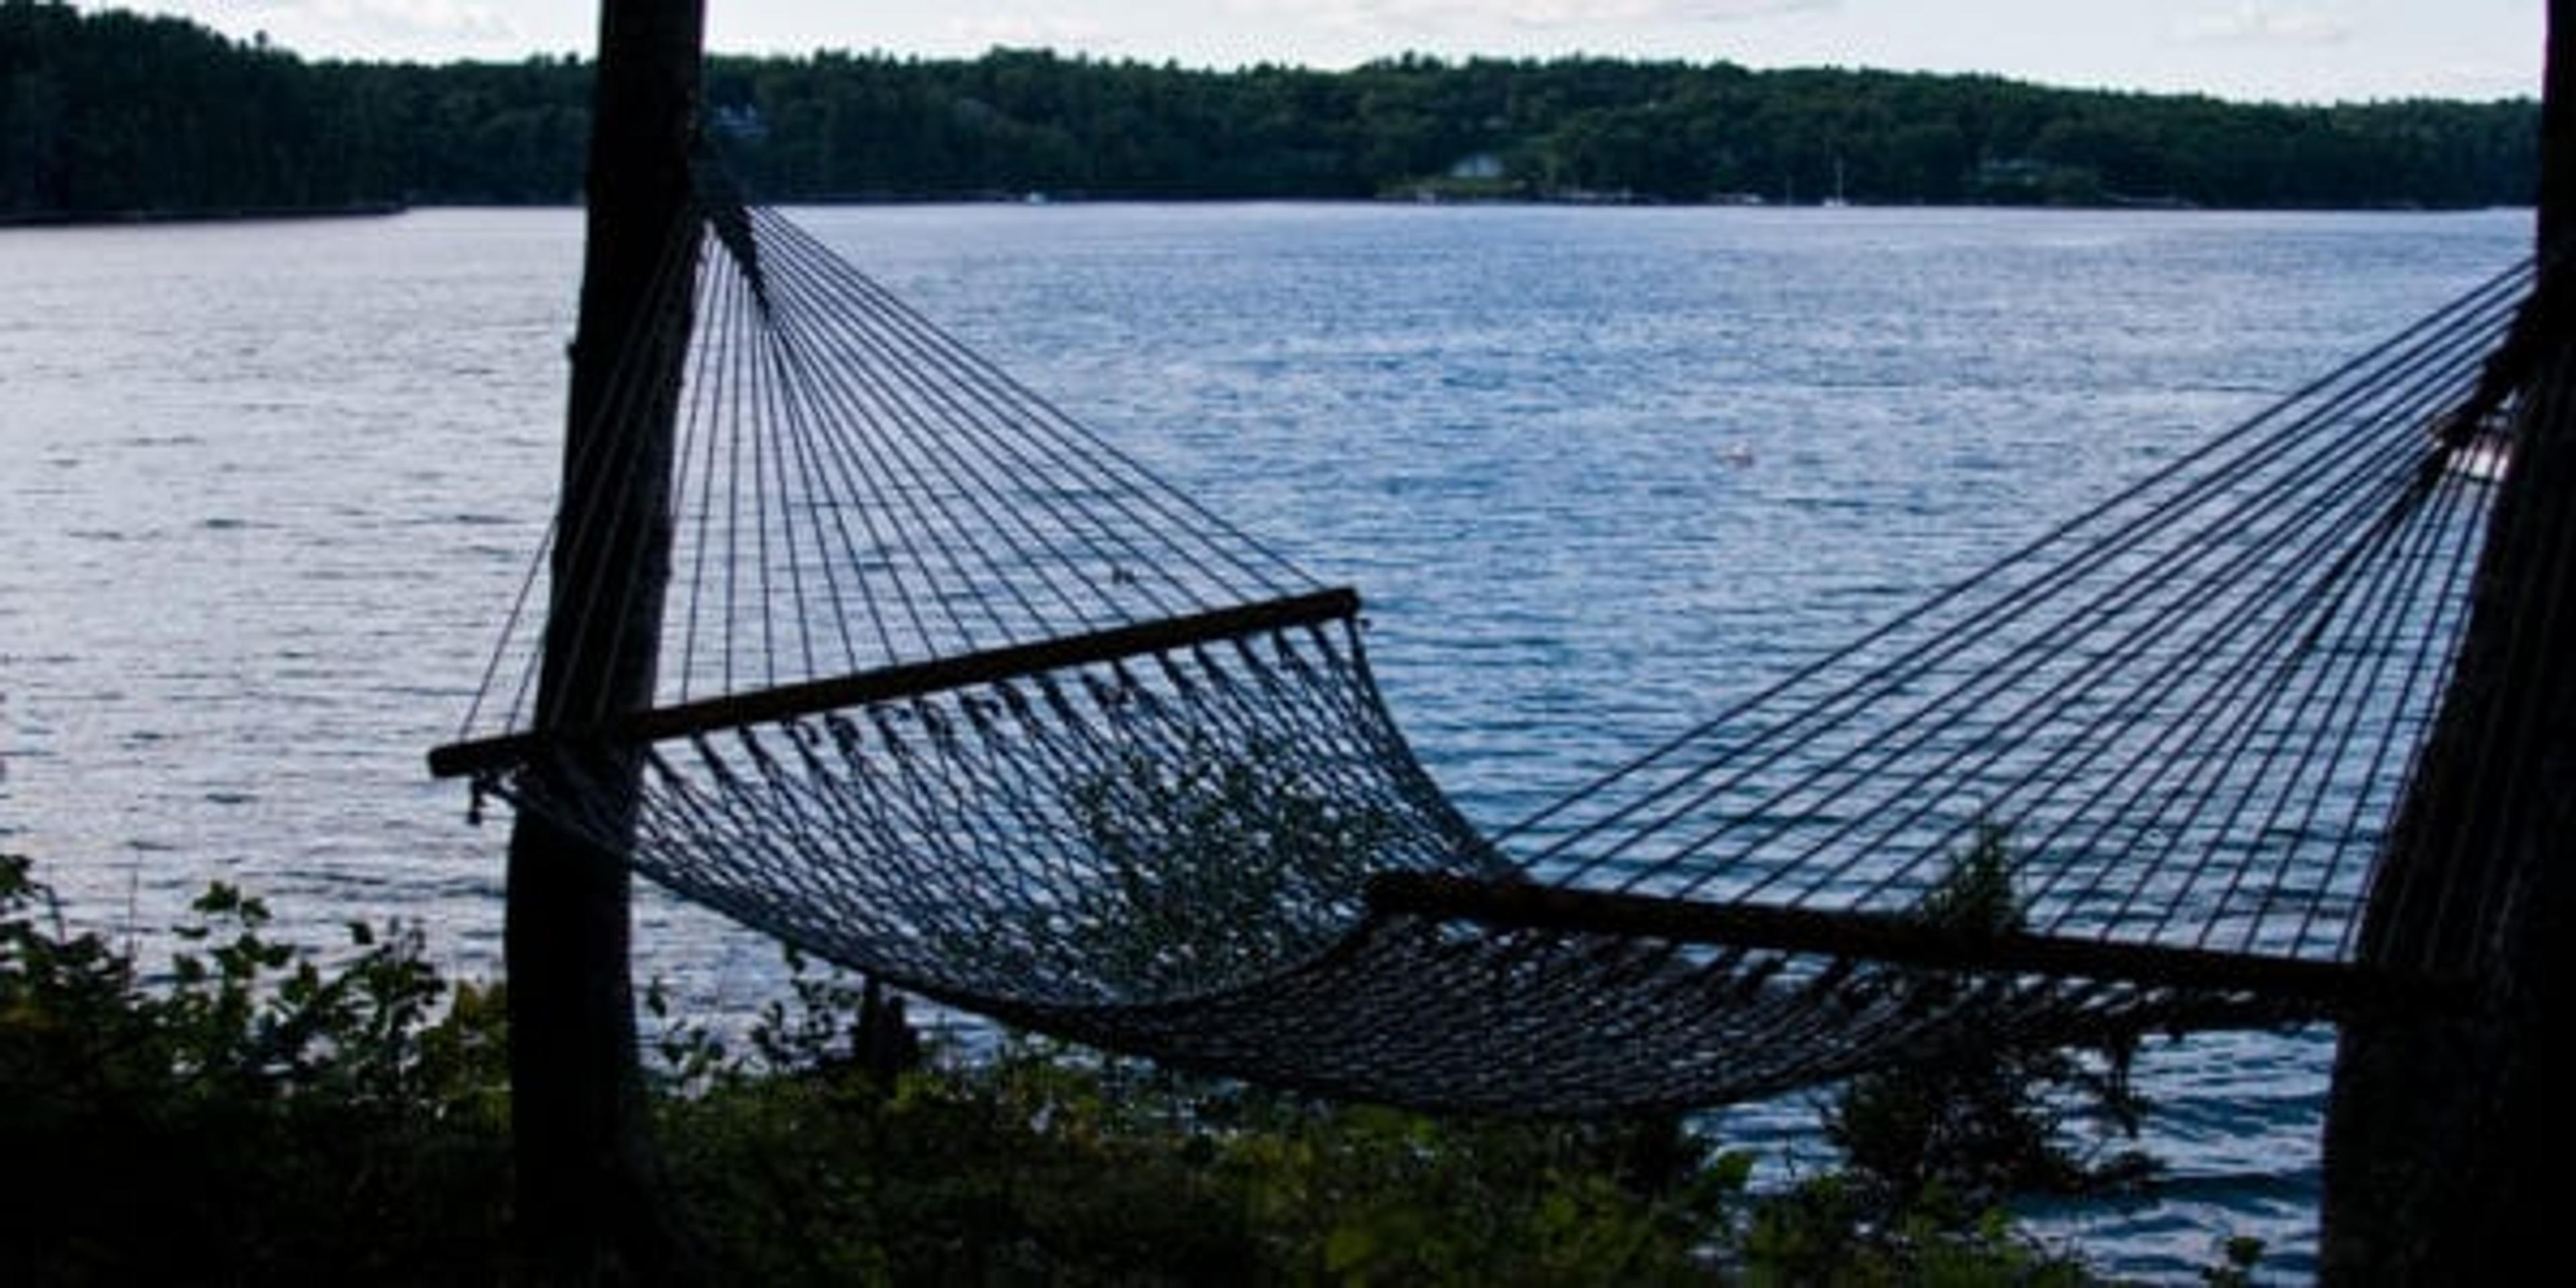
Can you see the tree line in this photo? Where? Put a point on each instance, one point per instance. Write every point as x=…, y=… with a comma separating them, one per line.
x=104, y=113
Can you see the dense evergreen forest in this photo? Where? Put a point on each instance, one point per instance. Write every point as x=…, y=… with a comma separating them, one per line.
x=112, y=113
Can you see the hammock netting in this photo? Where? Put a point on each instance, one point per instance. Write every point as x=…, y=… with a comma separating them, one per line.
x=954, y=692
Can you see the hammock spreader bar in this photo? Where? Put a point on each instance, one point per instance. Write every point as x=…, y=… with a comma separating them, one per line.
x=2331, y=986
x=485, y=755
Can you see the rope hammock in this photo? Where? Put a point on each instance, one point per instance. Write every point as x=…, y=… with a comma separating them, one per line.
x=955, y=693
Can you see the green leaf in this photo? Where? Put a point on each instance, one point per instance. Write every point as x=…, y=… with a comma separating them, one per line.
x=1349, y=1247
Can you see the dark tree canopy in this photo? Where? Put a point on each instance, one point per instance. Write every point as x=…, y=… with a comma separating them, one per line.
x=114, y=112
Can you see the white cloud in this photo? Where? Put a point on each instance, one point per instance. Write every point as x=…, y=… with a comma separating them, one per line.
x=415, y=19
x=1023, y=31
x=2256, y=22
x=453, y=28
x=1466, y=15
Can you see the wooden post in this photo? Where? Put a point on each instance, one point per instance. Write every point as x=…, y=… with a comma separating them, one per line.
x=590, y=1206
x=2445, y=1130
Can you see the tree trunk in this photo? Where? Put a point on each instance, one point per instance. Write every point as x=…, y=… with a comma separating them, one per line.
x=590, y=1205
x=2443, y=1129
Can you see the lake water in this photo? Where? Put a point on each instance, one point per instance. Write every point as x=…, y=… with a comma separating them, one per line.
x=266, y=491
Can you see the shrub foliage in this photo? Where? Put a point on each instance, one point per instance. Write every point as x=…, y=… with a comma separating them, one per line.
x=260, y=1113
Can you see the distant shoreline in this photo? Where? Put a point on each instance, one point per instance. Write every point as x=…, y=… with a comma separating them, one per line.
x=198, y=215
x=10, y=220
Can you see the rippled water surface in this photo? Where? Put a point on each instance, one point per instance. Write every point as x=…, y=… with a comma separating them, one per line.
x=266, y=490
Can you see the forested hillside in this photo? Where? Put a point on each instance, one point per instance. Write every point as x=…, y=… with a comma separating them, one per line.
x=114, y=113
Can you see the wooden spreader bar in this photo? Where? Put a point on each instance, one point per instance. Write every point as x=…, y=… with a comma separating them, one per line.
x=911, y=679
x=2333, y=987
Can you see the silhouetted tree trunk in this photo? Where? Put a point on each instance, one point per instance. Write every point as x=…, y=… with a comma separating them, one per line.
x=590, y=1204
x=2447, y=1128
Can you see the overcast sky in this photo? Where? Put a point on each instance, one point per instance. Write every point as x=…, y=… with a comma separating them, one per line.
x=2296, y=50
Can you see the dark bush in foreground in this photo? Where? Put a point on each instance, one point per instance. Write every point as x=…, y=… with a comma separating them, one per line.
x=254, y=1115
x=249, y=1117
